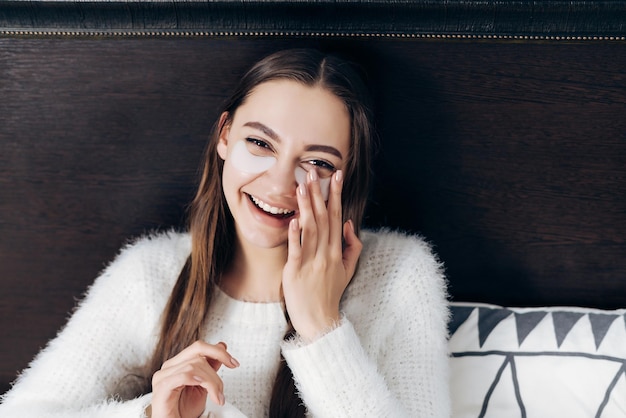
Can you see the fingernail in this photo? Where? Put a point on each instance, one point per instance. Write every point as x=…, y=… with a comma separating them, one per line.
x=313, y=175
x=302, y=189
x=293, y=224
x=339, y=175
x=221, y=399
x=235, y=362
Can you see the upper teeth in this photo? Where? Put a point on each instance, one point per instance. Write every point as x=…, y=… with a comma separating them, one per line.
x=267, y=208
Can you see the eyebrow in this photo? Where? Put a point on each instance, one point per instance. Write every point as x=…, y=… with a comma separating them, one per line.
x=314, y=147
x=263, y=128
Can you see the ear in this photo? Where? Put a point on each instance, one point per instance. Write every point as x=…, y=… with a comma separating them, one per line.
x=224, y=130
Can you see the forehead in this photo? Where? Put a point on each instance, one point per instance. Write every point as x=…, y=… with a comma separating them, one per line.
x=298, y=113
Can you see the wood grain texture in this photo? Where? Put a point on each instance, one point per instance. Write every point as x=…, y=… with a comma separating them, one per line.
x=509, y=157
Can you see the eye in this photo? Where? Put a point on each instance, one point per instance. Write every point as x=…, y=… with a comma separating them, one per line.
x=259, y=147
x=324, y=168
x=258, y=143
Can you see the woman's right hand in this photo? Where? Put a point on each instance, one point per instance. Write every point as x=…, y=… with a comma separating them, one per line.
x=180, y=388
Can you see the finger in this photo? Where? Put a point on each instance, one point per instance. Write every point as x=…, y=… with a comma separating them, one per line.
x=320, y=213
x=352, y=250
x=216, y=363
x=334, y=212
x=196, y=368
x=294, y=249
x=215, y=354
x=195, y=373
x=214, y=388
x=306, y=220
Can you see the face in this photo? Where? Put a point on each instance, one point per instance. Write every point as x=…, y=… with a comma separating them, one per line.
x=283, y=130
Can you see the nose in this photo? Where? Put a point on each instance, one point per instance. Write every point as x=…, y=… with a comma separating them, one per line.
x=281, y=179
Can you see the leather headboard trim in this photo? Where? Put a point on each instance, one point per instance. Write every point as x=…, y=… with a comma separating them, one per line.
x=549, y=20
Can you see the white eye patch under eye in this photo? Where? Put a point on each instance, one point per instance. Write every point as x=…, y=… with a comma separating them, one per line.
x=244, y=160
x=324, y=183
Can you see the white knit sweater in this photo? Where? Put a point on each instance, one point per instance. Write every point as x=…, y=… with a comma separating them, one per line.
x=387, y=358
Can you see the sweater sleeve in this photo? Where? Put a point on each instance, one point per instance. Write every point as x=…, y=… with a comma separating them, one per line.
x=388, y=356
x=95, y=357
x=336, y=378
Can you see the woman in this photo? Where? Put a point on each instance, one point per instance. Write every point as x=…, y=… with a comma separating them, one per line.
x=261, y=309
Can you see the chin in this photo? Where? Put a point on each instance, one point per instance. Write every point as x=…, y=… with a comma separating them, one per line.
x=265, y=239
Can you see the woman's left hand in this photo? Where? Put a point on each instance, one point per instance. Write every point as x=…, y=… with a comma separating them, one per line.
x=318, y=267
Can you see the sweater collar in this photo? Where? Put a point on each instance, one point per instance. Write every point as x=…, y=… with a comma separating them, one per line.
x=238, y=311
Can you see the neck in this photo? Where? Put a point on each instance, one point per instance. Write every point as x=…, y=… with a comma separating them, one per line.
x=255, y=274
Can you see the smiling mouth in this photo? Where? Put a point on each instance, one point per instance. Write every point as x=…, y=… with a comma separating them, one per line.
x=271, y=210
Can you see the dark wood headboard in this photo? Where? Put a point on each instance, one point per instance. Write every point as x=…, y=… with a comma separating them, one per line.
x=502, y=125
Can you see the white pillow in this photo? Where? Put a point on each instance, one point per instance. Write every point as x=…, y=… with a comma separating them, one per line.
x=537, y=362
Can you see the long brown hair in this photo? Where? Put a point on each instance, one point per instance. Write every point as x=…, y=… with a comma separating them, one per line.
x=211, y=225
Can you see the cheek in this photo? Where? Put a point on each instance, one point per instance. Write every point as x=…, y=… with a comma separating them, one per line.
x=233, y=178
x=246, y=162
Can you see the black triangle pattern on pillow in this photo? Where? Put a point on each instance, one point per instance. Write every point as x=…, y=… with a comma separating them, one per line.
x=600, y=324
x=564, y=321
x=526, y=322
x=563, y=324
x=459, y=315
x=488, y=319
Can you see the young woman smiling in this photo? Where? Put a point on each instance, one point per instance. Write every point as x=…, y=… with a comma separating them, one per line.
x=274, y=303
